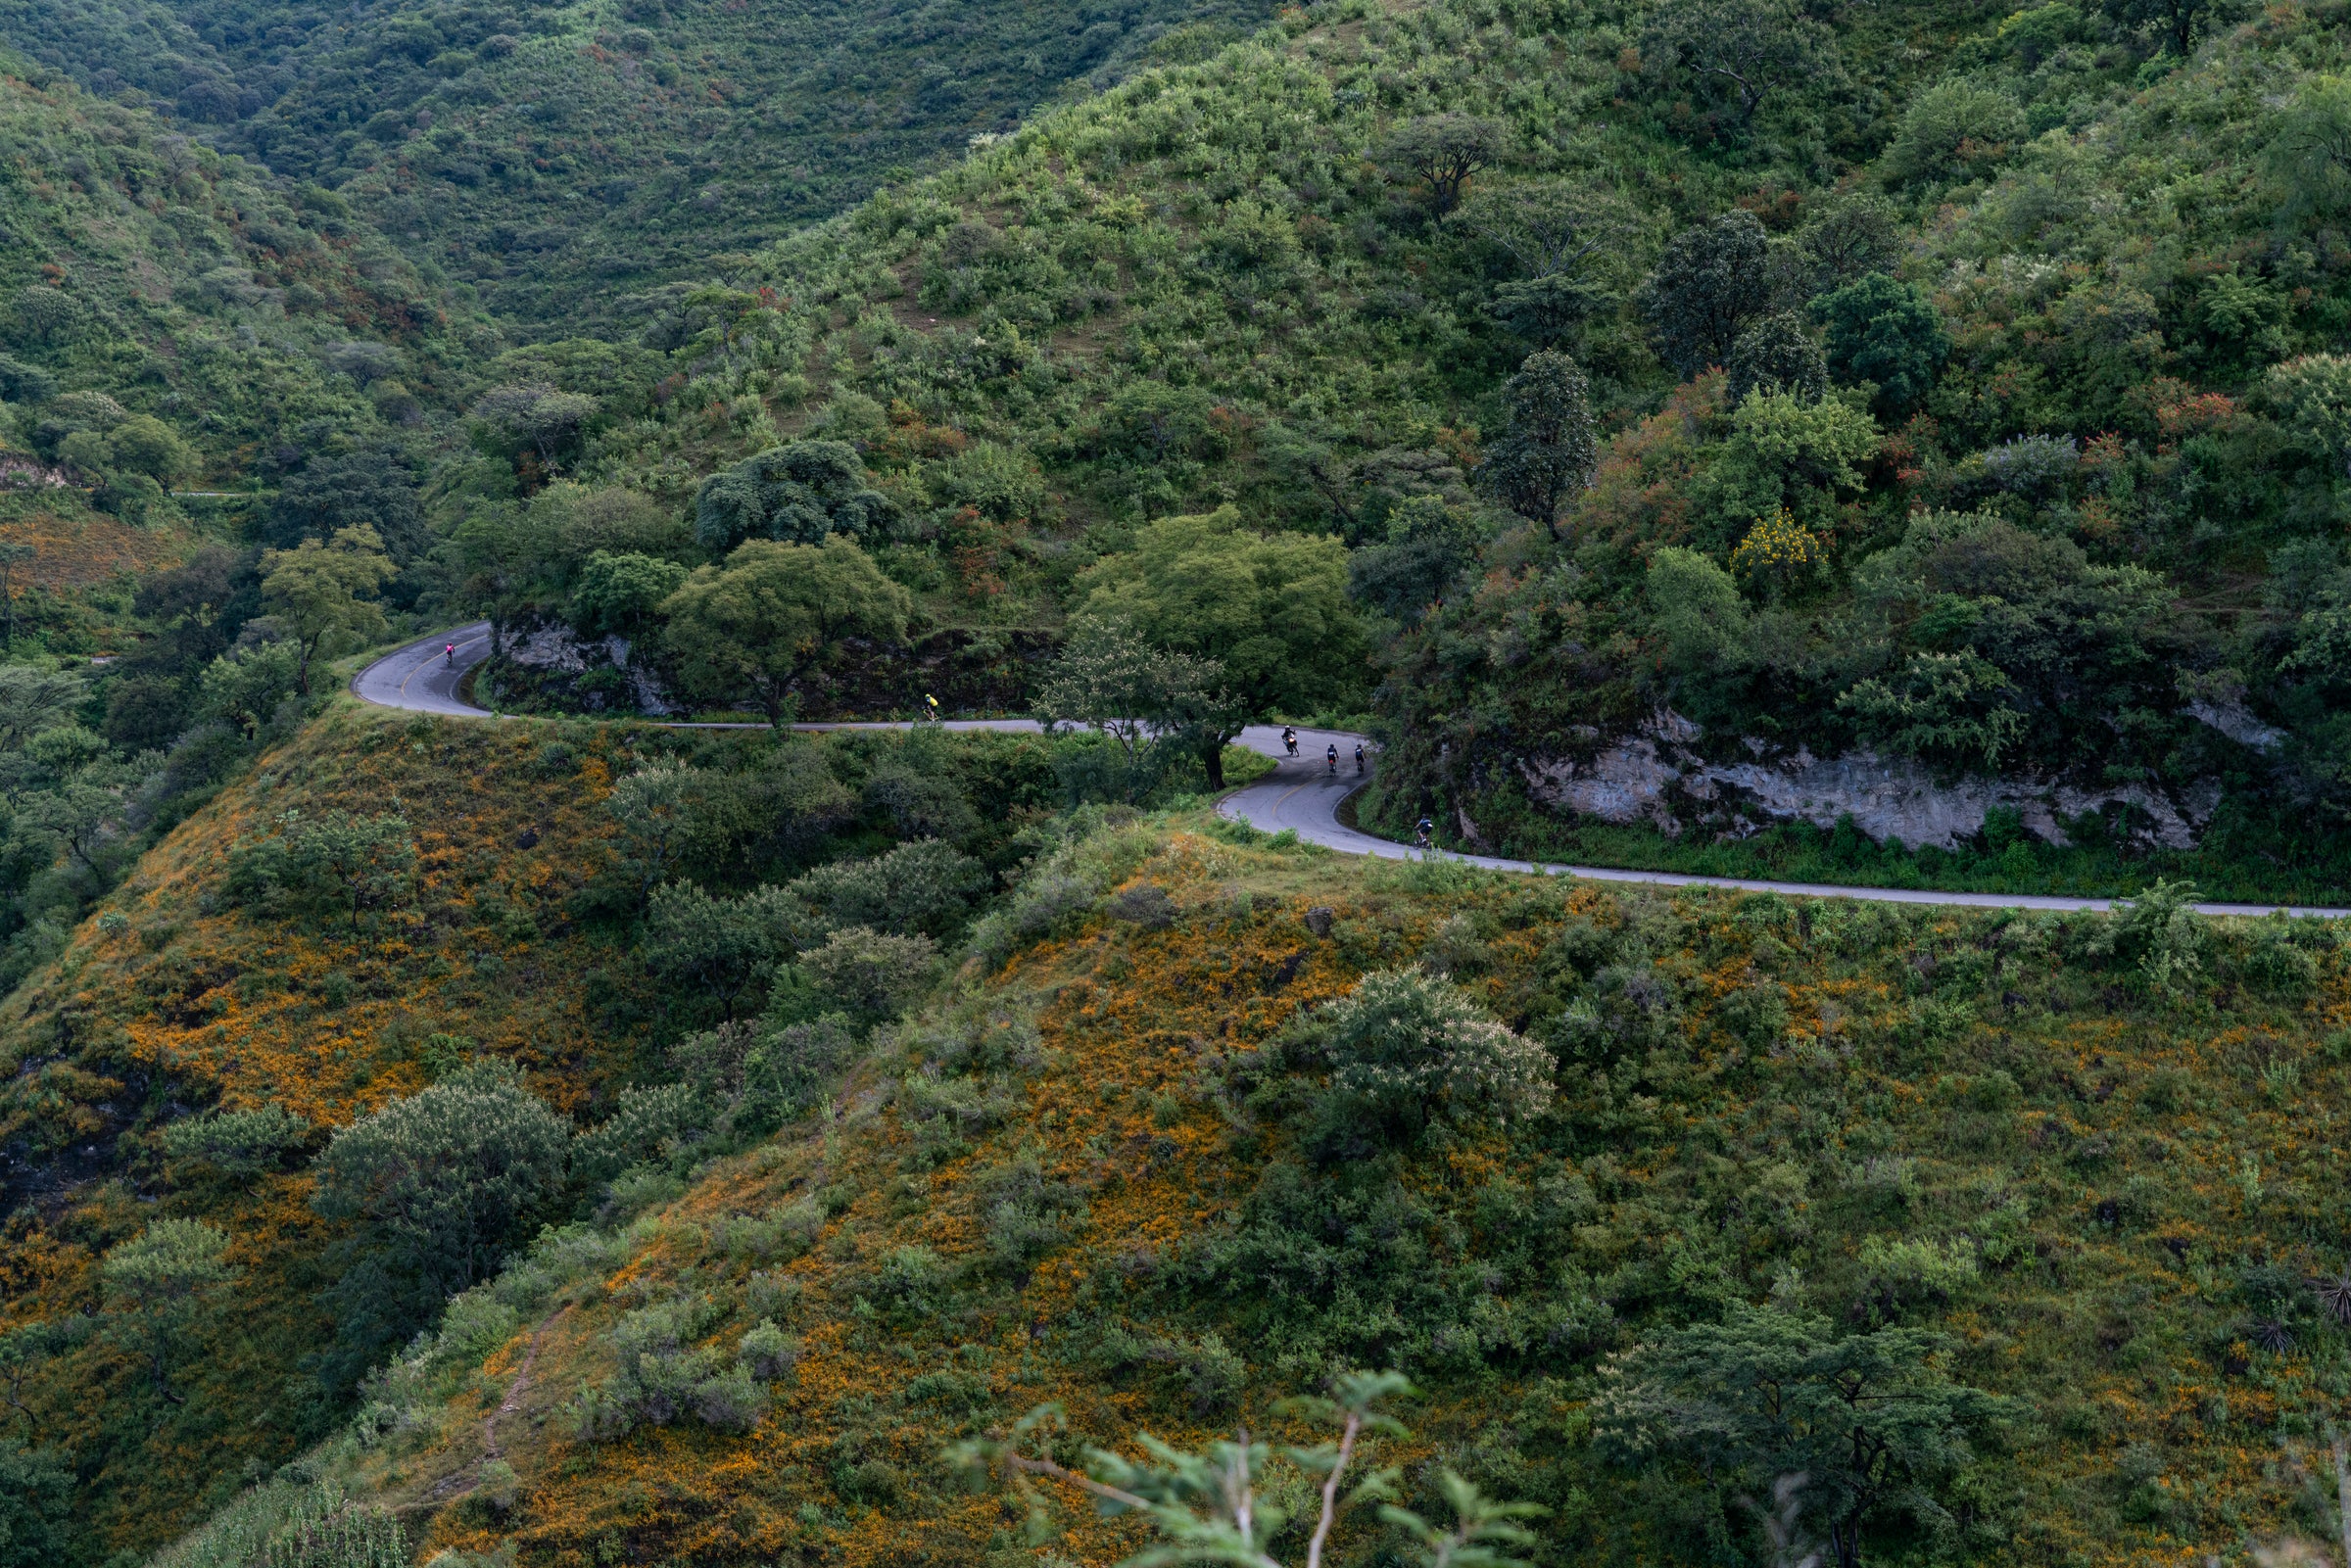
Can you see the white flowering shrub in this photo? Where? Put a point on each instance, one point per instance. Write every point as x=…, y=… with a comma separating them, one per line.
x=1414, y=1046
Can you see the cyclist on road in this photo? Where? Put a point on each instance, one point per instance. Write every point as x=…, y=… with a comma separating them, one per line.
x=1331, y=756
x=1289, y=739
x=450, y=652
x=1359, y=759
x=1421, y=830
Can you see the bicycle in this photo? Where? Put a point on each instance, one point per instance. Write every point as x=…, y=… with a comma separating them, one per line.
x=450, y=653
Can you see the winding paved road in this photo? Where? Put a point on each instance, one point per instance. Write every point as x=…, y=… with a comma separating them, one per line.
x=1298, y=794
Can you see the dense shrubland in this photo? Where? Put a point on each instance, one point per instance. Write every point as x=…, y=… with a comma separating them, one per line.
x=569, y=161
x=1202, y=1124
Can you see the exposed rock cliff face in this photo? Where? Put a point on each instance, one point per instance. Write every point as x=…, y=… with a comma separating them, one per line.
x=1657, y=776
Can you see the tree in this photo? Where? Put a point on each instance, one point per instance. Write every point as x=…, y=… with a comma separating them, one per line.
x=1848, y=234
x=926, y=888
x=1406, y=1047
x=1443, y=151
x=2310, y=150
x=1555, y=233
x=1778, y=354
x=2180, y=22
x=1224, y=1503
x=620, y=594
x=1736, y=52
x=1430, y=543
x=2311, y=395
x=341, y=860
x=717, y=948
x=156, y=1281
x=1144, y=699
x=1547, y=451
x=800, y=491
x=441, y=1186
x=145, y=445
x=1271, y=610
x=533, y=415
x=872, y=971
x=36, y=1507
x=1886, y=331
x=374, y=487
x=1949, y=129
x=774, y=611
x=1871, y=1420
x=1711, y=283
x=322, y=596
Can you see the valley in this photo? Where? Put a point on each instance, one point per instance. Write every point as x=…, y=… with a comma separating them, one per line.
x=652, y=910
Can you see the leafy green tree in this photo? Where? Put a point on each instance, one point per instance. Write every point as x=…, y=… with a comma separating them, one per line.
x=2311, y=395
x=145, y=445
x=1430, y=543
x=1736, y=53
x=773, y=613
x=717, y=948
x=1443, y=152
x=1872, y=1421
x=1406, y=1049
x=322, y=596
x=1230, y=1501
x=622, y=594
x=2179, y=22
x=801, y=492
x=1142, y=697
x=926, y=888
x=1954, y=707
x=1712, y=281
x=156, y=1282
x=1561, y=239
x=440, y=1186
x=2310, y=145
x=342, y=861
x=871, y=971
x=246, y=687
x=1848, y=234
x=374, y=487
x=36, y=1507
x=1271, y=610
x=1778, y=354
x=662, y=824
x=1786, y=451
x=1547, y=451
x=1695, y=609
x=1887, y=332
x=1949, y=127
x=533, y=417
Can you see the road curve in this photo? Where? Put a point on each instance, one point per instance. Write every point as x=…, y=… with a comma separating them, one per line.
x=1300, y=794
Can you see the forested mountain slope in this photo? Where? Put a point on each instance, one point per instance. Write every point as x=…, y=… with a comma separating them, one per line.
x=563, y=158
x=1973, y=409
x=170, y=315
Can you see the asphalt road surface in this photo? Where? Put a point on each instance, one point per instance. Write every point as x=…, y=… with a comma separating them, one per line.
x=1300, y=794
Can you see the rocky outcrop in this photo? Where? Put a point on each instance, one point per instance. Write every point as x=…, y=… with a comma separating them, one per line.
x=554, y=666
x=1657, y=775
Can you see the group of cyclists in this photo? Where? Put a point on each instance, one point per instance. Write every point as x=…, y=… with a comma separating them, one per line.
x=1330, y=753
x=1423, y=830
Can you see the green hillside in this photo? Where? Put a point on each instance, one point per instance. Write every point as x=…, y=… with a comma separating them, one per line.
x=562, y=158
x=2053, y=1194
x=187, y=315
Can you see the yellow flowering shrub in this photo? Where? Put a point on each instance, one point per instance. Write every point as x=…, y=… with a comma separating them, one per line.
x=1778, y=553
